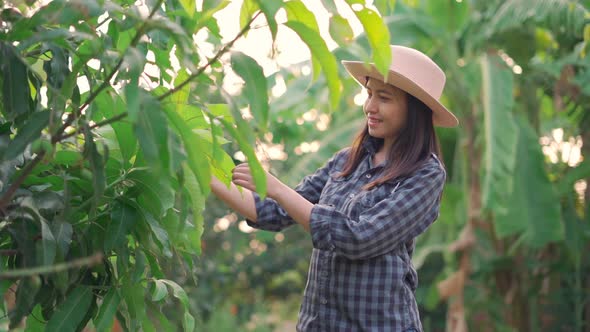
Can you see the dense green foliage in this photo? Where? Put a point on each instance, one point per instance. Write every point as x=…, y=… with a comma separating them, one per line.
x=107, y=145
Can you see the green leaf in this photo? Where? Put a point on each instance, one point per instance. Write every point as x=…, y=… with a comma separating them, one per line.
x=189, y=7
x=154, y=264
x=180, y=97
x=156, y=193
x=255, y=87
x=222, y=164
x=340, y=30
x=297, y=12
x=195, y=148
x=132, y=96
x=96, y=165
x=108, y=308
x=48, y=244
x=16, y=93
x=206, y=17
x=318, y=48
x=270, y=8
x=378, y=35
x=139, y=266
x=178, y=292
x=71, y=312
x=249, y=7
x=123, y=218
x=27, y=134
x=197, y=199
x=67, y=158
x=108, y=105
x=500, y=133
x=164, y=323
x=188, y=321
x=25, y=299
x=160, y=290
x=151, y=129
x=160, y=233
x=192, y=116
x=35, y=325
x=133, y=295
x=242, y=132
x=55, y=35
x=536, y=215
x=330, y=6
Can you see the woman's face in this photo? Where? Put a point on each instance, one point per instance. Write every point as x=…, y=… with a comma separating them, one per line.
x=386, y=110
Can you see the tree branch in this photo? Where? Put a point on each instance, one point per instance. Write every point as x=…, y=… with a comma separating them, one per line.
x=211, y=61
x=5, y=199
x=45, y=269
x=94, y=126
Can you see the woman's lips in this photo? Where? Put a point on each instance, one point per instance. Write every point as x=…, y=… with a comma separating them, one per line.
x=373, y=122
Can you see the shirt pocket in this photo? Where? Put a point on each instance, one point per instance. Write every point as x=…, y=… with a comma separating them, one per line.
x=372, y=197
x=335, y=186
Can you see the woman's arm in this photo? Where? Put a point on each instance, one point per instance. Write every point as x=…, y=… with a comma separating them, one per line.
x=292, y=202
x=242, y=202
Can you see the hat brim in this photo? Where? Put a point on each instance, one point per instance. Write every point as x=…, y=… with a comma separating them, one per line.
x=441, y=116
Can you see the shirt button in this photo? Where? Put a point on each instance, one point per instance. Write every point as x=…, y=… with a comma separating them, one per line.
x=323, y=300
x=368, y=176
x=351, y=195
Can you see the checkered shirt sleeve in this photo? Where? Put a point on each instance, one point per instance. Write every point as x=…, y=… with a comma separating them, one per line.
x=272, y=217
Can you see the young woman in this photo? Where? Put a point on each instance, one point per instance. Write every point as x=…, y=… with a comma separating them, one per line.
x=367, y=204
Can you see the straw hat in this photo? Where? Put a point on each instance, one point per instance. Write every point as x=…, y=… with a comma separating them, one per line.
x=413, y=72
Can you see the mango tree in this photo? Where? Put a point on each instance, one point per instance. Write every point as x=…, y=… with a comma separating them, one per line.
x=112, y=123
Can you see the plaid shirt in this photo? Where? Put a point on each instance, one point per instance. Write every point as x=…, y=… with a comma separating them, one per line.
x=361, y=276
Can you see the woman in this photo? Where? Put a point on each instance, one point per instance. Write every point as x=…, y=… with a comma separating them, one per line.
x=367, y=204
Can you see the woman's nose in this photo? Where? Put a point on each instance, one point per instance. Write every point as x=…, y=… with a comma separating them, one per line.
x=370, y=105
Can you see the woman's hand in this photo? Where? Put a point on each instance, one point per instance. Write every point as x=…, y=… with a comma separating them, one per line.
x=296, y=205
x=242, y=176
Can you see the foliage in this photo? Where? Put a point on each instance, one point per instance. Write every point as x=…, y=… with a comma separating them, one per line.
x=107, y=149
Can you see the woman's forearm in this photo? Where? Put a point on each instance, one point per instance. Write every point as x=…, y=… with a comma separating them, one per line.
x=298, y=208
x=240, y=201
x=294, y=204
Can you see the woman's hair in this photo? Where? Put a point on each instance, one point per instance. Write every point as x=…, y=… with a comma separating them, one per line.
x=412, y=147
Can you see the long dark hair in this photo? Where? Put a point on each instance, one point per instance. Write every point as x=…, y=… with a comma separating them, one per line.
x=412, y=147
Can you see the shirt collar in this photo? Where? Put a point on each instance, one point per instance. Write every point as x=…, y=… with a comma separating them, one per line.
x=372, y=144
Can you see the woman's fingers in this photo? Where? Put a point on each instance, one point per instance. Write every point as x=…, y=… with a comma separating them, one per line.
x=241, y=176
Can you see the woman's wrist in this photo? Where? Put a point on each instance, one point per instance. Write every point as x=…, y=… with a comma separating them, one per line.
x=275, y=188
